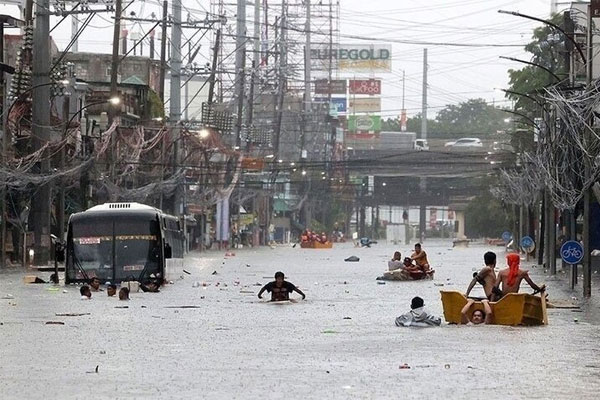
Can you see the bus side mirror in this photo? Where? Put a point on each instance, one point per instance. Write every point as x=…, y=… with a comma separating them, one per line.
x=168, y=251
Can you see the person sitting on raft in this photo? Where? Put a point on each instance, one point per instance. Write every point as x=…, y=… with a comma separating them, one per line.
x=280, y=289
x=511, y=278
x=396, y=269
x=477, y=316
x=486, y=276
x=415, y=271
x=420, y=258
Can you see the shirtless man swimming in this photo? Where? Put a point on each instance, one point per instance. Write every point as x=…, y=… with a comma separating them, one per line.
x=420, y=258
x=512, y=276
x=486, y=277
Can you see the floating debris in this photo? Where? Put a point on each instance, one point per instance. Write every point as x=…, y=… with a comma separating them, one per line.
x=71, y=314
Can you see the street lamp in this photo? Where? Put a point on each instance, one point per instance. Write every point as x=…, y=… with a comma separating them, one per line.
x=204, y=133
x=577, y=46
x=534, y=65
x=114, y=101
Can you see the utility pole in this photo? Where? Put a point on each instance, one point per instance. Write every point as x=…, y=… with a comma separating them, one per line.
x=175, y=96
x=281, y=85
x=163, y=50
x=213, y=71
x=240, y=56
x=307, y=112
x=41, y=134
x=74, y=30
x=5, y=144
x=253, y=73
x=423, y=180
x=114, y=89
x=587, y=260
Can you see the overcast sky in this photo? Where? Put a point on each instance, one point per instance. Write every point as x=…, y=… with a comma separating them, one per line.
x=455, y=73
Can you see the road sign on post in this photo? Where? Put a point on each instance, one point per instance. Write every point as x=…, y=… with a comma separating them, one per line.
x=571, y=252
x=527, y=244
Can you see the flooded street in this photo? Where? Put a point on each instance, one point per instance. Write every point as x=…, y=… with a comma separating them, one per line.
x=339, y=343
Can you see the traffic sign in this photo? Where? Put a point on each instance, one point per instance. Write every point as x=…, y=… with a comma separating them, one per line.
x=527, y=244
x=507, y=236
x=571, y=252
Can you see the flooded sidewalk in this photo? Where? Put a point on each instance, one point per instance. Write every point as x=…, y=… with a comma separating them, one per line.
x=209, y=336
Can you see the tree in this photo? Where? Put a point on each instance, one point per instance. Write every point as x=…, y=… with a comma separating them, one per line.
x=473, y=117
x=547, y=48
x=486, y=216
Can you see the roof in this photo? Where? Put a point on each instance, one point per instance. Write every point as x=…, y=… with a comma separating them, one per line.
x=122, y=206
x=134, y=80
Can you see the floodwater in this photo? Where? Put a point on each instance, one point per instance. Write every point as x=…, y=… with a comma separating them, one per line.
x=340, y=343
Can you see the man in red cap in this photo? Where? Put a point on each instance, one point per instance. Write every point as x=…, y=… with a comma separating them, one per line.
x=512, y=276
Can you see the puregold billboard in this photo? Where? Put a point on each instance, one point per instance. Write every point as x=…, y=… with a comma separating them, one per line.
x=353, y=58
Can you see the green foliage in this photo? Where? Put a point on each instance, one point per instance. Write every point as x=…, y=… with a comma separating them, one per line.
x=157, y=109
x=486, y=216
x=473, y=117
x=547, y=49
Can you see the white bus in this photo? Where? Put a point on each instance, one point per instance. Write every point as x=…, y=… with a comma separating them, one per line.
x=117, y=242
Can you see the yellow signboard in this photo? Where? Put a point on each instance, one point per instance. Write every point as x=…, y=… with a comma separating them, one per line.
x=364, y=105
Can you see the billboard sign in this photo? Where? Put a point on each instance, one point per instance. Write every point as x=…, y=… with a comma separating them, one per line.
x=365, y=105
x=353, y=58
x=337, y=87
x=365, y=86
x=337, y=103
x=364, y=123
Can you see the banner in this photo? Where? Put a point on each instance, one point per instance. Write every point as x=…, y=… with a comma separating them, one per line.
x=365, y=86
x=337, y=87
x=352, y=58
x=364, y=123
x=365, y=105
x=432, y=217
x=339, y=103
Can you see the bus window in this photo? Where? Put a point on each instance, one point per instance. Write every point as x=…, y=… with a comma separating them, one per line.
x=137, y=249
x=92, y=249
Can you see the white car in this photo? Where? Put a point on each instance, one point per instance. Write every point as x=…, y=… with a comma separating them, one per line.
x=465, y=142
x=421, y=145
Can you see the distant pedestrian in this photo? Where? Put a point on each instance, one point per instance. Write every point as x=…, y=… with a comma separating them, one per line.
x=124, y=294
x=417, y=316
x=280, y=289
x=86, y=293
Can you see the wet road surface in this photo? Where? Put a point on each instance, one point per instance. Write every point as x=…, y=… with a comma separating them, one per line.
x=340, y=343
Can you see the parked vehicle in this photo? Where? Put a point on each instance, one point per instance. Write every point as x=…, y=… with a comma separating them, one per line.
x=420, y=145
x=465, y=142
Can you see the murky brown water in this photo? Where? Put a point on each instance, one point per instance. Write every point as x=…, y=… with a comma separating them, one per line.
x=237, y=347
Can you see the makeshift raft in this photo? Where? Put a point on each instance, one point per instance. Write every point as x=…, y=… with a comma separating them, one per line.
x=316, y=245
x=512, y=309
x=402, y=277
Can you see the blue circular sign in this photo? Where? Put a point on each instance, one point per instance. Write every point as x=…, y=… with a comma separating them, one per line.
x=527, y=244
x=506, y=236
x=571, y=252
